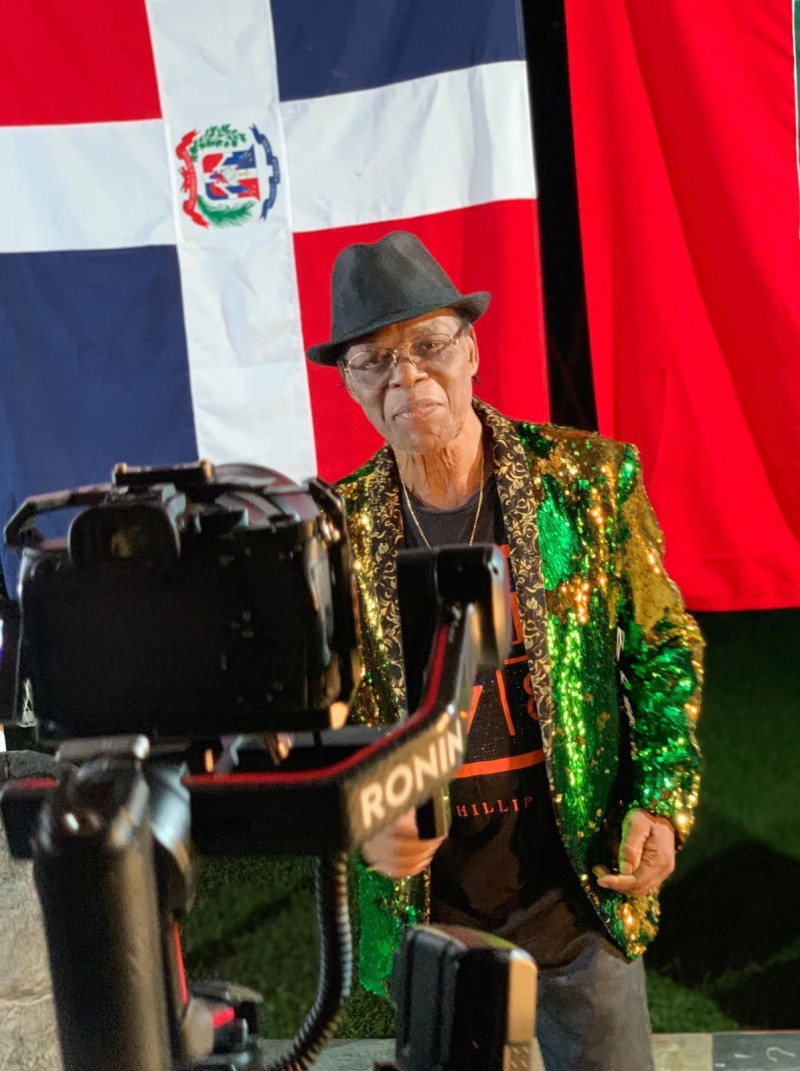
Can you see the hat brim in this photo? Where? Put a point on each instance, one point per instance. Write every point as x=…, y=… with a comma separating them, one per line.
x=329, y=353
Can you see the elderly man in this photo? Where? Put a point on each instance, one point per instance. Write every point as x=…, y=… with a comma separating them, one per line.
x=581, y=772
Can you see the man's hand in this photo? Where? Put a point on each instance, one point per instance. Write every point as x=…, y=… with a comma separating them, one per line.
x=398, y=852
x=646, y=855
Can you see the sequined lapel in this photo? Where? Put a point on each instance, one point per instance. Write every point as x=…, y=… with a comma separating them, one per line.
x=516, y=491
x=387, y=539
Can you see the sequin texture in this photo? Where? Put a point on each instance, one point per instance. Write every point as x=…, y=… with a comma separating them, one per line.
x=615, y=659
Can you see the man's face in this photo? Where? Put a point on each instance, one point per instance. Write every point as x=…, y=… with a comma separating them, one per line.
x=419, y=409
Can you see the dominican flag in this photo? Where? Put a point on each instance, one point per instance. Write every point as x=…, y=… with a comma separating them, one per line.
x=177, y=179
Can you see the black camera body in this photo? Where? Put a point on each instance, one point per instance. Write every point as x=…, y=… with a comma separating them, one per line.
x=195, y=601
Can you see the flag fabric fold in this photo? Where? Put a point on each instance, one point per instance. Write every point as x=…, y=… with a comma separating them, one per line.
x=686, y=153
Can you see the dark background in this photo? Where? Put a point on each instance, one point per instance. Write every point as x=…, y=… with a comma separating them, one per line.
x=568, y=350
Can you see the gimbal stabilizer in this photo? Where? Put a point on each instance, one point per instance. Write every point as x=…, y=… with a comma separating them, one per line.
x=110, y=840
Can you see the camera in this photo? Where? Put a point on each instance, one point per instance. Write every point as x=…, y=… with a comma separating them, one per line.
x=216, y=601
x=191, y=644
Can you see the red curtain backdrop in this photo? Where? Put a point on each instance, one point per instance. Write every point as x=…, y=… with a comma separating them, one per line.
x=686, y=149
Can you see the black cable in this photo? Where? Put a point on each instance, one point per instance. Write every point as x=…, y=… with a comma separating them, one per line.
x=335, y=965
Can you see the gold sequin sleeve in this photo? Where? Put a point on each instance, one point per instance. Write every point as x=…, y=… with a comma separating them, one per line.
x=660, y=660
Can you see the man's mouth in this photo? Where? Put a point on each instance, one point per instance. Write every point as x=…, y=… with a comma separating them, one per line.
x=415, y=410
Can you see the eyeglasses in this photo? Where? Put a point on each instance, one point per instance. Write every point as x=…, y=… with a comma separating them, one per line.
x=372, y=366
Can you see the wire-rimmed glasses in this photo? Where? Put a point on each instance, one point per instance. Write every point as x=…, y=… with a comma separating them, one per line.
x=372, y=366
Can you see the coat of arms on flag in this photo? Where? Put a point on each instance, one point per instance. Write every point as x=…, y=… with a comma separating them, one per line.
x=227, y=174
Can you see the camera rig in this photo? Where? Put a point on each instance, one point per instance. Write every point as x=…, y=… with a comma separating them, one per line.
x=193, y=644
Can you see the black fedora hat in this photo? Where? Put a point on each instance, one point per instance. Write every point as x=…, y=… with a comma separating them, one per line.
x=383, y=283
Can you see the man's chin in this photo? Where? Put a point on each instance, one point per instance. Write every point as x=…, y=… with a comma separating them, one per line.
x=422, y=441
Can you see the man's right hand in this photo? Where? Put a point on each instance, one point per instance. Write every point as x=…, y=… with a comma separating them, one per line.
x=398, y=851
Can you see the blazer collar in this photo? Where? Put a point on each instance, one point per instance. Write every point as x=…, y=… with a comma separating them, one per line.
x=517, y=493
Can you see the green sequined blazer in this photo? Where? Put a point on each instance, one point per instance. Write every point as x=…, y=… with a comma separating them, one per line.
x=615, y=659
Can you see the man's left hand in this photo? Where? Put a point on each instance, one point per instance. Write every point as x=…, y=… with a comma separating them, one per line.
x=646, y=855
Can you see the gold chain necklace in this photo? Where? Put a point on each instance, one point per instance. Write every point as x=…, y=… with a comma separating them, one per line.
x=415, y=518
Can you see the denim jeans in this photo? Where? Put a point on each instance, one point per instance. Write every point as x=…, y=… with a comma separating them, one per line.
x=592, y=1014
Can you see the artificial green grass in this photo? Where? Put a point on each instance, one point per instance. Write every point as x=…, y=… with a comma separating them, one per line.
x=254, y=922
x=728, y=955
x=730, y=934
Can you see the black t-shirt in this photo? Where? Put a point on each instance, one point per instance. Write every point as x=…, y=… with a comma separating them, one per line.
x=503, y=867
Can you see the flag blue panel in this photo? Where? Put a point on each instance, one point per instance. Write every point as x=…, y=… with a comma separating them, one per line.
x=93, y=368
x=338, y=46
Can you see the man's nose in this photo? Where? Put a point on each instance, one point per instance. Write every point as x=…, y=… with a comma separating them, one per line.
x=404, y=371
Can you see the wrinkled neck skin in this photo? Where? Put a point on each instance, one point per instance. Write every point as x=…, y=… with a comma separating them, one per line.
x=447, y=477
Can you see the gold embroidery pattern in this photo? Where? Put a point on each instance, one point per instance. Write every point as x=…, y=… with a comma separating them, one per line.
x=516, y=493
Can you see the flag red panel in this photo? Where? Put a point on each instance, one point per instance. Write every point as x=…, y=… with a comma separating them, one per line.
x=76, y=62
